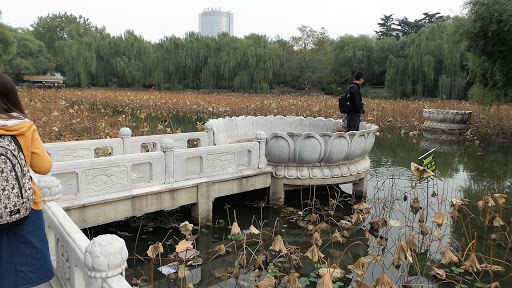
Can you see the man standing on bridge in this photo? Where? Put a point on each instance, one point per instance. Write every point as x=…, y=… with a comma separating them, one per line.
x=356, y=103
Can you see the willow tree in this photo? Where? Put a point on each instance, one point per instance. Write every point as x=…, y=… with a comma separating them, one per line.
x=352, y=54
x=433, y=67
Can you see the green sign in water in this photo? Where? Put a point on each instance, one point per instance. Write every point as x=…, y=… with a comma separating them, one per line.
x=428, y=160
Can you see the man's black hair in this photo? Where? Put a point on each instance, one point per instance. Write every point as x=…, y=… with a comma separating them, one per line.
x=358, y=76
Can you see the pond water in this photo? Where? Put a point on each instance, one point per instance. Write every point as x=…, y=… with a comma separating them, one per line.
x=466, y=171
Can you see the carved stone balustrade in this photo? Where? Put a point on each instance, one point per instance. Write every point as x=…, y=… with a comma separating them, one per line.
x=302, y=149
x=450, y=125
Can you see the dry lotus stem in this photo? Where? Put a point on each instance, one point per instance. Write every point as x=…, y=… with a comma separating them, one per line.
x=235, y=229
x=314, y=253
x=186, y=228
x=278, y=244
x=383, y=281
x=439, y=218
x=236, y=272
x=449, y=257
x=359, y=267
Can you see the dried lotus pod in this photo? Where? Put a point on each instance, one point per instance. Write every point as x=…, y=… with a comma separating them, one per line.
x=235, y=229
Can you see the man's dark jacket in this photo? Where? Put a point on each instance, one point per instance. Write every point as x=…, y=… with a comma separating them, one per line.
x=356, y=100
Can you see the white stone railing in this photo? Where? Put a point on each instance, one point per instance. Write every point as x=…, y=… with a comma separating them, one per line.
x=103, y=176
x=126, y=144
x=300, y=147
x=78, y=262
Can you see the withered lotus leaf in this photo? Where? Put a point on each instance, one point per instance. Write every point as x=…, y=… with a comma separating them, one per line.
x=268, y=282
x=439, y=218
x=419, y=171
x=278, y=244
x=439, y=273
x=411, y=243
x=402, y=254
x=325, y=282
x=235, y=229
x=186, y=228
x=471, y=264
x=221, y=249
x=316, y=239
x=292, y=281
x=449, y=257
x=359, y=267
x=363, y=207
x=155, y=249
x=383, y=281
x=183, y=245
x=335, y=272
x=253, y=230
x=314, y=253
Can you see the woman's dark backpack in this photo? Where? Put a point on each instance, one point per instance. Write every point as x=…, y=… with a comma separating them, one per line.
x=16, y=192
x=344, y=101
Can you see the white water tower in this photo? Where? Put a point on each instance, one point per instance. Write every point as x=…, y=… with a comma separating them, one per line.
x=213, y=21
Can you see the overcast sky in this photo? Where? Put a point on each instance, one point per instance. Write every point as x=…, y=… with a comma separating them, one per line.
x=154, y=19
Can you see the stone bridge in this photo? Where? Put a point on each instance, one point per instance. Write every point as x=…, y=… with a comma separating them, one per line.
x=99, y=181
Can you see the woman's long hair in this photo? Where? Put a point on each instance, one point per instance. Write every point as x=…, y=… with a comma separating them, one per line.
x=9, y=100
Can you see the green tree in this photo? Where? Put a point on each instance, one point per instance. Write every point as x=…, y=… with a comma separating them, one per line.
x=7, y=44
x=352, y=54
x=30, y=57
x=487, y=32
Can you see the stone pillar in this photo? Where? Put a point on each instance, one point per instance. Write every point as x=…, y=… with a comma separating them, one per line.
x=276, y=191
x=50, y=188
x=202, y=210
x=261, y=138
x=167, y=146
x=125, y=133
x=360, y=188
x=105, y=257
x=208, y=127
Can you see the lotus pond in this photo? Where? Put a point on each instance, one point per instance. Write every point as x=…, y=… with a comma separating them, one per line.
x=449, y=230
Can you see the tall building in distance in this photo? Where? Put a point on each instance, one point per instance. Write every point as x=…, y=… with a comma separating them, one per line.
x=213, y=21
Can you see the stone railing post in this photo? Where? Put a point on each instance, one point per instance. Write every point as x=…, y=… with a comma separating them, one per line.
x=50, y=188
x=167, y=146
x=125, y=133
x=208, y=127
x=261, y=138
x=105, y=257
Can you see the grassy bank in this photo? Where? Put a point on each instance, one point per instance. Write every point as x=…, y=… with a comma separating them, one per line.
x=66, y=115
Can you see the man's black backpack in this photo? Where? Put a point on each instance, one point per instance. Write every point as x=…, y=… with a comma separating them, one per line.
x=16, y=192
x=344, y=101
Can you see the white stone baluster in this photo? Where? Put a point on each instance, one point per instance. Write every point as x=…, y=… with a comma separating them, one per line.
x=125, y=133
x=105, y=257
x=261, y=138
x=167, y=146
x=208, y=127
x=50, y=188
